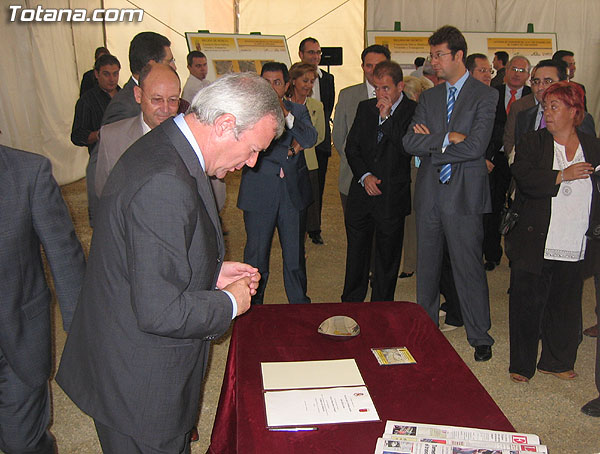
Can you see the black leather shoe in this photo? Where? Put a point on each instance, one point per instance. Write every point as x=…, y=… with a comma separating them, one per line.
x=316, y=238
x=404, y=275
x=592, y=408
x=489, y=266
x=483, y=352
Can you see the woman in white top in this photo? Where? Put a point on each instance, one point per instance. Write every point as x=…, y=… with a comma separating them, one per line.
x=557, y=199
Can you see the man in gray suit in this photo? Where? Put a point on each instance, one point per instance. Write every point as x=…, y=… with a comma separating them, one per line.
x=157, y=290
x=158, y=97
x=450, y=131
x=345, y=111
x=33, y=212
x=277, y=193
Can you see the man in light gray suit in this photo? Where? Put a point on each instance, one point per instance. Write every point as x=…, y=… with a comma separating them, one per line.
x=158, y=96
x=450, y=131
x=345, y=111
x=156, y=291
x=32, y=212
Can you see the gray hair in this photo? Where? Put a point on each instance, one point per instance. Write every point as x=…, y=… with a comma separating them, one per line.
x=246, y=96
x=520, y=57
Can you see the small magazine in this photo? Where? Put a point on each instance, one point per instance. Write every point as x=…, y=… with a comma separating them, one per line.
x=393, y=355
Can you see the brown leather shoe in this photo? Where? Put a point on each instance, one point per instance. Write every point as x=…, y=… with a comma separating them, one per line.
x=592, y=331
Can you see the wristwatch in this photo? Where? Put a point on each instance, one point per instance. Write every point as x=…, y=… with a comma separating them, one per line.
x=293, y=150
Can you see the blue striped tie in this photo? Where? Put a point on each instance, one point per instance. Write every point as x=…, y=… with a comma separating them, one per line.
x=446, y=171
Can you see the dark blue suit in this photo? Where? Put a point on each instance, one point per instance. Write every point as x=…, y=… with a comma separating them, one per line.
x=269, y=201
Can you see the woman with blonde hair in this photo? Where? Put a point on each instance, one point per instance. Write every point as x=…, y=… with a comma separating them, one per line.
x=302, y=79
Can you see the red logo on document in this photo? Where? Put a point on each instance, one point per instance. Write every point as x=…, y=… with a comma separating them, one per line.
x=519, y=439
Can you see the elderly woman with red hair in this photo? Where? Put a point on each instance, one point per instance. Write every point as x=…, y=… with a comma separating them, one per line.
x=557, y=199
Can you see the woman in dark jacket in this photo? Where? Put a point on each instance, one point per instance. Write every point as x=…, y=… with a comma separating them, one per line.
x=556, y=199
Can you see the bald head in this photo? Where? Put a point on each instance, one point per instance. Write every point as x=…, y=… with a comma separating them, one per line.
x=158, y=93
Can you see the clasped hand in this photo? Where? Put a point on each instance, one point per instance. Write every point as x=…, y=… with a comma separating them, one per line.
x=241, y=280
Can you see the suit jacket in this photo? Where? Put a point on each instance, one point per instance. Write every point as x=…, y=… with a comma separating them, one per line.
x=508, y=139
x=33, y=212
x=115, y=138
x=497, y=141
x=261, y=181
x=327, y=92
x=386, y=160
x=123, y=105
x=345, y=111
x=526, y=122
x=140, y=337
x=536, y=185
x=468, y=189
x=498, y=79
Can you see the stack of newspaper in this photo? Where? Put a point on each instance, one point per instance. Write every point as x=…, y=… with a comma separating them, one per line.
x=415, y=438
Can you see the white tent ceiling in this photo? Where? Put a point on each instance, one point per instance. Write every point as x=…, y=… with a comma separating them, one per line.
x=43, y=63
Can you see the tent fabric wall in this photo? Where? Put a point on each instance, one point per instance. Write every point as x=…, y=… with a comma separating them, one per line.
x=43, y=63
x=574, y=22
x=38, y=91
x=337, y=23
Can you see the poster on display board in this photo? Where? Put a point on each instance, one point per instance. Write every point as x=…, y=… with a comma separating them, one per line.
x=226, y=52
x=406, y=46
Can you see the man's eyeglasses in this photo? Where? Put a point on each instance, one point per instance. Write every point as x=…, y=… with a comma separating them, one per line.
x=519, y=70
x=546, y=81
x=485, y=70
x=158, y=101
x=314, y=52
x=437, y=56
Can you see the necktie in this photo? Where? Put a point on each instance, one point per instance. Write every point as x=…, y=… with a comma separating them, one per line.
x=513, y=94
x=542, y=122
x=446, y=171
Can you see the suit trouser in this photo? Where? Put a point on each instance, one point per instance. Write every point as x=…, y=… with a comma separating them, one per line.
x=499, y=183
x=322, y=160
x=291, y=225
x=448, y=290
x=362, y=224
x=313, y=212
x=464, y=236
x=409, y=246
x=114, y=442
x=548, y=304
x=24, y=415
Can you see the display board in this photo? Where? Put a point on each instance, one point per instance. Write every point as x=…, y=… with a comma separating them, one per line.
x=227, y=52
x=406, y=46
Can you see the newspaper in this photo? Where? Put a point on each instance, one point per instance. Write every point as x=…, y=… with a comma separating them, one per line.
x=434, y=431
x=387, y=446
x=472, y=443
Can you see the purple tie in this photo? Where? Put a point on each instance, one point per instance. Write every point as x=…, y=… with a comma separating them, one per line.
x=542, y=122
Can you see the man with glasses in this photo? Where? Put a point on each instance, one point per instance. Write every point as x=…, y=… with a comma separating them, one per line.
x=450, y=131
x=517, y=74
x=480, y=68
x=144, y=48
x=546, y=73
x=324, y=91
x=158, y=97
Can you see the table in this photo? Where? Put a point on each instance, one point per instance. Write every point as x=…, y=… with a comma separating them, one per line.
x=439, y=389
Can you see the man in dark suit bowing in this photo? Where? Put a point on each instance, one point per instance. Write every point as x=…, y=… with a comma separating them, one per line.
x=32, y=213
x=276, y=193
x=324, y=91
x=157, y=291
x=379, y=195
x=450, y=131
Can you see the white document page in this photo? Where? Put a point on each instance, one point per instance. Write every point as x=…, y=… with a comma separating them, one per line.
x=311, y=374
x=319, y=406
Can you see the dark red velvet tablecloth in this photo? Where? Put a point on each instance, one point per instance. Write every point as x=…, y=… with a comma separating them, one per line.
x=439, y=389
